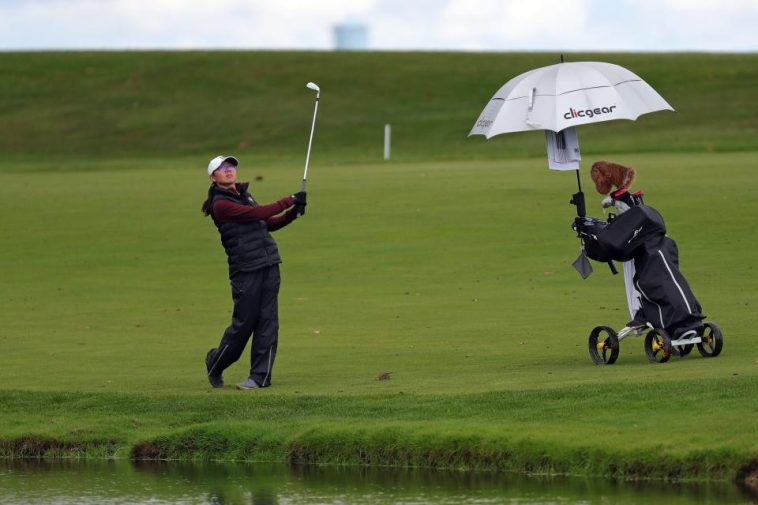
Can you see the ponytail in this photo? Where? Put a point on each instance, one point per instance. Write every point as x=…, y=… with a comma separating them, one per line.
x=208, y=203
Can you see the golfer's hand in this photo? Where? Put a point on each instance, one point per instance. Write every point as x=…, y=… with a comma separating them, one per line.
x=299, y=210
x=300, y=198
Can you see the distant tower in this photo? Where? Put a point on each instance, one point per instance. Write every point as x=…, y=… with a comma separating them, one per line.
x=351, y=36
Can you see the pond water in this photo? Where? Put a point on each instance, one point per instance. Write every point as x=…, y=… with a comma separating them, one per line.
x=37, y=482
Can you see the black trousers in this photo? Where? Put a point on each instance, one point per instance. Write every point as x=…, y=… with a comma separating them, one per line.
x=256, y=314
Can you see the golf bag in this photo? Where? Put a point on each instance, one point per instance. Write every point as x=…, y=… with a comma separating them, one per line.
x=639, y=234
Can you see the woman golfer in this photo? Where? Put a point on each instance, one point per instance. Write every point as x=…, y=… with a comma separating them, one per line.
x=253, y=271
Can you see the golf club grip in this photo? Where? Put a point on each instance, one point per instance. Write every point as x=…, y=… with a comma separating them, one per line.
x=302, y=188
x=612, y=266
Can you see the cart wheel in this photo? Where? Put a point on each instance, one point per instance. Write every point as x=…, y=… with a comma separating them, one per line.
x=603, y=345
x=685, y=350
x=657, y=346
x=712, y=342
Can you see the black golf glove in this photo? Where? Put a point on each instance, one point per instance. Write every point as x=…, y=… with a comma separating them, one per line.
x=299, y=198
x=299, y=210
x=578, y=225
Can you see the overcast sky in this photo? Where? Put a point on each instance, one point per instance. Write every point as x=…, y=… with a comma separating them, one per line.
x=467, y=25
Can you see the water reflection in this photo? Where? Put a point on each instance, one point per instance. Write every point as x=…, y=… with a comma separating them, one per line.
x=120, y=482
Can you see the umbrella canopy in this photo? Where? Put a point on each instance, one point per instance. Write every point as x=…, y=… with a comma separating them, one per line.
x=560, y=96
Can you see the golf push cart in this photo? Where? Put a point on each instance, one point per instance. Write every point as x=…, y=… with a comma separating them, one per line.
x=660, y=300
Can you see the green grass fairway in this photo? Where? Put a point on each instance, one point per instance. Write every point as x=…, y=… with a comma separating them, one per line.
x=447, y=269
x=453, y=276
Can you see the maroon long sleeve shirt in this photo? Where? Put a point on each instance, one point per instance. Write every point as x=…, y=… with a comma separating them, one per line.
x=226, y=211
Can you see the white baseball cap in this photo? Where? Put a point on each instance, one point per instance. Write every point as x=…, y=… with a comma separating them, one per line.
x=218, y=160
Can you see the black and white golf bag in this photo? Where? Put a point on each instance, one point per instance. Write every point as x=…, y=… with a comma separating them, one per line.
x=638, y=234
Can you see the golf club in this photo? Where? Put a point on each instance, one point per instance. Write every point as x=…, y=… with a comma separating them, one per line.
x=313, y=86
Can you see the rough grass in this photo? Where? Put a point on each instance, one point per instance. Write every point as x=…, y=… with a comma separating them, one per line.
x=169, y=104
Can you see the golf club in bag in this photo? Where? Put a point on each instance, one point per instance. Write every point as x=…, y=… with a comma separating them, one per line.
x=581, y=264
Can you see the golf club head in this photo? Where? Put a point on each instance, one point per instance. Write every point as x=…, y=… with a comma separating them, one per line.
x=313, y=86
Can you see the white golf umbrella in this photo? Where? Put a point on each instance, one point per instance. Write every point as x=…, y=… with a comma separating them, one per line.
x=565, y=95
x=558, y=98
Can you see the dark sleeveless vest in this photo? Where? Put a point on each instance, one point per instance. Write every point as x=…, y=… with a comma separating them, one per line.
x=249, y=246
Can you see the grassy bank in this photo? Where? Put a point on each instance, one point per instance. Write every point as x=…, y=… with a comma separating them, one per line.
x=504, y=430
x=453, y=277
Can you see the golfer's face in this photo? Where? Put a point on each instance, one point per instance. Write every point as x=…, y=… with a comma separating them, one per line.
x=225, y=174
